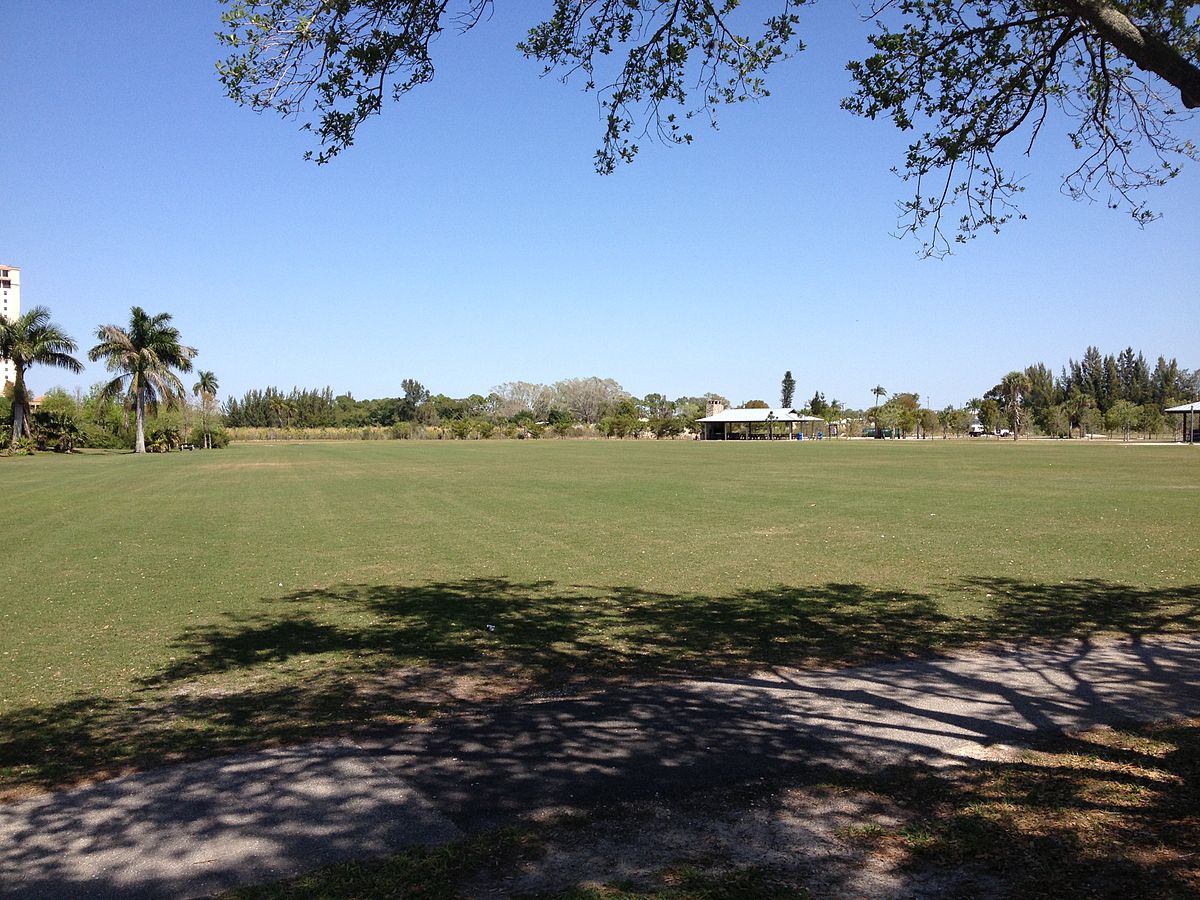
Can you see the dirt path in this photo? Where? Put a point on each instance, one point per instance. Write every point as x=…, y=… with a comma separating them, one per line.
x=192, y=829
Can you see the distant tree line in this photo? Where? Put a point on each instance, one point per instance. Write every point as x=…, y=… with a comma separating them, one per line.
x=1117, y=393
x=1095, y=393
x=592, y=403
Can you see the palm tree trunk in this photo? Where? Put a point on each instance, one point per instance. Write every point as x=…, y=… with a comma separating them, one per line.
x=20, y=421
x=140, y=414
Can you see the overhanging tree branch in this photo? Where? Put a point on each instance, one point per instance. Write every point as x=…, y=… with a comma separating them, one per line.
x=1141, y=46
x=969, y=77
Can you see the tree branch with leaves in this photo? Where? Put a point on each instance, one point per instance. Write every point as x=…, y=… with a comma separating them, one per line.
x=969, y=77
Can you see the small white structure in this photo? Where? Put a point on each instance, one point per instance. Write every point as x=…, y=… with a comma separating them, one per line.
x=758, y=424
x=1190, y=422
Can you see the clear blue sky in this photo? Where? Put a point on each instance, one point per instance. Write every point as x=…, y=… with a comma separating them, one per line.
x=466, y=240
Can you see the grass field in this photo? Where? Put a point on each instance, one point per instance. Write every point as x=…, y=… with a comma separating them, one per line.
x=175, y=605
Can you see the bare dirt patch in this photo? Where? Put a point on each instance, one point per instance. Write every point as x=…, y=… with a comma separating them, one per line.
x=477, y=682
x=802, y=838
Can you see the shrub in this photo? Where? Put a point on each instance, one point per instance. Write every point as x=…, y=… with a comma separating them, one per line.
x=99, y=437
x=26, y=446
x=218, y=437
x=57, y=431
x=163, y=439
x=559, y=419
x=667, y=426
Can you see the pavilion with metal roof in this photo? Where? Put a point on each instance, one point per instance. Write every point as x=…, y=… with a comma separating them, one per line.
x=747, y=423
x=1191, y=424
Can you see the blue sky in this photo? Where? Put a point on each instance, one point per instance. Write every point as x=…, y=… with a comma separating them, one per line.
x=466, y=241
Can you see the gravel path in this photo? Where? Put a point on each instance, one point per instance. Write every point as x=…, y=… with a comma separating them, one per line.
x=192, y=829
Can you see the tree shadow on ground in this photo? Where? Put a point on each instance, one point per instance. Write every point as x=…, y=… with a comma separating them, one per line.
x=553, y=630
x=326, y=660
x=1098, y=814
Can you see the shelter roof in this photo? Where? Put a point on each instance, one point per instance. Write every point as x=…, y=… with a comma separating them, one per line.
x=1194, y=406
x=743, y=414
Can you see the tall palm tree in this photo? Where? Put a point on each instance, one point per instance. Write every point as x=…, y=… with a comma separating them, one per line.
x=1014, y=388
x=28, y=340
x=206, y=389
x=143, y=356
x=879, y=390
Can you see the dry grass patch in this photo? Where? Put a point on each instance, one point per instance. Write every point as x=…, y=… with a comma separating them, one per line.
x=1105, y=812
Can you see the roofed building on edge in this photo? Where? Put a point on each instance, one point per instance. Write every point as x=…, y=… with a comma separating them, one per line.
x=1191, y=416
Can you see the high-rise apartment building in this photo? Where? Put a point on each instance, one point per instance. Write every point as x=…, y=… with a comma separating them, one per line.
x=10, y=308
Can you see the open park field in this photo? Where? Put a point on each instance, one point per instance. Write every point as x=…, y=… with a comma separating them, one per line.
x=162, y=607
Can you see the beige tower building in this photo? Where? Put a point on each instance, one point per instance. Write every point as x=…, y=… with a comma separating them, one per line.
x=10, y=308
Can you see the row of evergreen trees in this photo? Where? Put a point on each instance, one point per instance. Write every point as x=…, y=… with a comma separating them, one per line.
x=1107, y=379
x=1097, y=392
x=308, y=408
x=271, y=408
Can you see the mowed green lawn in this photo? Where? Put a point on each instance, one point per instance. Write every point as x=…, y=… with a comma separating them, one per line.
x=186, y=603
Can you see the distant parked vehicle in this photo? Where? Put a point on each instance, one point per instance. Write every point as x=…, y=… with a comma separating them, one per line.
x=977, y=430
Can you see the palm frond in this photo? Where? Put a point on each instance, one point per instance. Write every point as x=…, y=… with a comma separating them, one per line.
x=114, y=388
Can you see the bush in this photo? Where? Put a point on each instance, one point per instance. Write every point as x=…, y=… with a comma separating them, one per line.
x=218, y=437
x=100, y=438
x=559, y=419
x=569, y=430
x=405, y=431
x=667, y=427
x=26, y=446
x=163, y=439
x=57, y=431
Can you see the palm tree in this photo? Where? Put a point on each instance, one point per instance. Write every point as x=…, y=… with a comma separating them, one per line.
x=833, y=415
x=144, y=356
x=28, y=340
x=206, y=389
x=879, y=390
x=1014, y=387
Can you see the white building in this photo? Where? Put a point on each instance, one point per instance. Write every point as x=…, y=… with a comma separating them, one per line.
x=760, y=424
x=10, y=308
